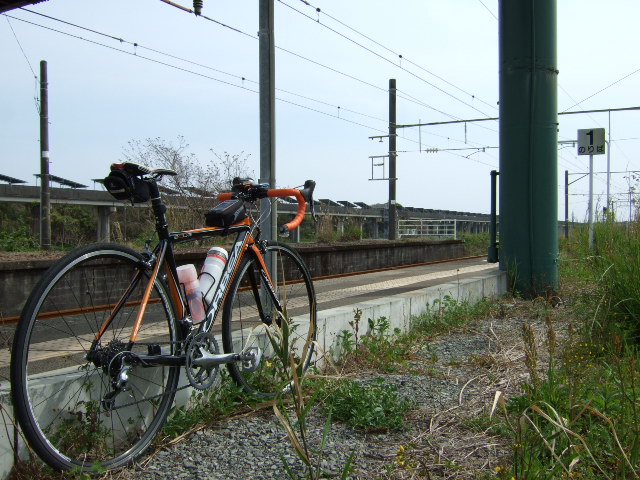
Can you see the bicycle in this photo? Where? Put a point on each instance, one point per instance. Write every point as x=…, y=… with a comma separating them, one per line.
x=101, y=341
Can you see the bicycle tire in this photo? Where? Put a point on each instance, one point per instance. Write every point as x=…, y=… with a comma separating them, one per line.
x=57, y=393
x=242, y=326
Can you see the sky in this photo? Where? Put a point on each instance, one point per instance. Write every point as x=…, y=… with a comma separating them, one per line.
x=122, y=70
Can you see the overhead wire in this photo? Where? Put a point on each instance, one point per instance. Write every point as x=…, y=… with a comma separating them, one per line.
x=35, y=77
x=383, y=58
x=134, y=54
x=21, y=49
x=602, y=89
x=409, y=97
x=576, y=103
x=320, y=65
x=488, y=10
x=453, y=117
x=182, y=59
x=405, y=59
x=137, y=46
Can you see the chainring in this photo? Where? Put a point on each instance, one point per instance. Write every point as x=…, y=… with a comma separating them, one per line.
x=200, y=377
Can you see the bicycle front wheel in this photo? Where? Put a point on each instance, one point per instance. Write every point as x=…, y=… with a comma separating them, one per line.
x=249, y=311
x=64, y=380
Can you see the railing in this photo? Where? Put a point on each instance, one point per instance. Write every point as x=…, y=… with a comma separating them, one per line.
x=421, y=227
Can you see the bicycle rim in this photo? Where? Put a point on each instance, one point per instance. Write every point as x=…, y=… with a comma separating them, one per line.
x=243, y=328
x=58, y=394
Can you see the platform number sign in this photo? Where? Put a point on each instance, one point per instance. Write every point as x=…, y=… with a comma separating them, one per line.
x=591, y=141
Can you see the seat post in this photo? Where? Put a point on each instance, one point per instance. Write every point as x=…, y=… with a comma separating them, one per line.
x=159, y=209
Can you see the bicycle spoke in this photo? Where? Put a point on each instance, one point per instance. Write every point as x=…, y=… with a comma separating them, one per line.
x=98, y=416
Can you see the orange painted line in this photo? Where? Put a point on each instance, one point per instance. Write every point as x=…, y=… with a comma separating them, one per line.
x=386, y=269
x=71, y=311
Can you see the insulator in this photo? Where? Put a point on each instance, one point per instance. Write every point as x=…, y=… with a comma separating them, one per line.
x=197, y=6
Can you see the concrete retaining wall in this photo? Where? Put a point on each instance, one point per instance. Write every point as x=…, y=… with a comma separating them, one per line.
x=19, y=277
x=398, y=309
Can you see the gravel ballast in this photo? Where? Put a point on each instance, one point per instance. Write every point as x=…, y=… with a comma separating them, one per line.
x=452, y=381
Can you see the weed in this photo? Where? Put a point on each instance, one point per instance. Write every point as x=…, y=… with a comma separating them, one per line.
x=475, y=243
x=446, y=314
x=291, y=391
x=373, y=407
x=531, y=354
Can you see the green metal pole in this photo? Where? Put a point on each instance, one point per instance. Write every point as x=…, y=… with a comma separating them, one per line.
x=528, y=145
x=492, y=255
x=393, y=216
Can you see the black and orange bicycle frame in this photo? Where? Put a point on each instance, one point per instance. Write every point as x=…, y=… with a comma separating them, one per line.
x=162, y=257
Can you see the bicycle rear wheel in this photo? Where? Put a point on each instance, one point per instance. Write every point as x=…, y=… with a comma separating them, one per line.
x=243, y=327
x=62, y=399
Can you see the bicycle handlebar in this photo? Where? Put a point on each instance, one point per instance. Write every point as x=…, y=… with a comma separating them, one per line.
x=255, y=192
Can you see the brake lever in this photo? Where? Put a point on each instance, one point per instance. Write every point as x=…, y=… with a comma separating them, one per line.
x=307, y=193
x=313, y=210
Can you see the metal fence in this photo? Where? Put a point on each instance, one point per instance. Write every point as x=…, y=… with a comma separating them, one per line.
x=421, y=227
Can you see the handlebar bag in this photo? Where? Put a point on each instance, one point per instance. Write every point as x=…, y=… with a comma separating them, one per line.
x=124, y=186
x=226, y=213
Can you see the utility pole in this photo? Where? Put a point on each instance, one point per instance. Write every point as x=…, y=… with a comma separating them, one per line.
x=392, y=159
x=268, y=207
x=45, y=196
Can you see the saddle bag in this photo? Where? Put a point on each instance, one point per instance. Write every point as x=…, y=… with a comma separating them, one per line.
x=122, y=185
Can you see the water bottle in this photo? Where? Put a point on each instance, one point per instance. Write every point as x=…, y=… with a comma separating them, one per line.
x=212, y=271
x=189, y=278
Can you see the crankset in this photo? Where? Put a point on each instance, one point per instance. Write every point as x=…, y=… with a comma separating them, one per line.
x=202, y=370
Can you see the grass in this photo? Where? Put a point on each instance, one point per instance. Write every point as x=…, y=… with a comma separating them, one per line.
x=373, y=407
x=383, y=350
x=578, y=416
x=475, y=243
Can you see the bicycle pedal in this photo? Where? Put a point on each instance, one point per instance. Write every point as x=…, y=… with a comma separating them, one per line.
x=251, y=359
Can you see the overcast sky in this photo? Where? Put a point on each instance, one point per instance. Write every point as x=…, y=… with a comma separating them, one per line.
x=177, y=75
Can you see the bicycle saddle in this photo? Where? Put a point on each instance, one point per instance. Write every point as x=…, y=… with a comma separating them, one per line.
x=142, y=170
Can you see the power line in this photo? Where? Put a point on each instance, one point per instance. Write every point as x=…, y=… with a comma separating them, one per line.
x=182, y=59
x=421, y=103
x=389, y=50
x=472, y=120
x=283, y=49
x=35, y=95
x=383, y=58
x=492, y=14
x=314, y=61
x=21, y=49
x=577, y=103
x=188, y=10
x=134, y=54
x=602, y=89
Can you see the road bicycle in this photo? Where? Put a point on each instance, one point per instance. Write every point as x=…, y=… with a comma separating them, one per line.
x=105, y=334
